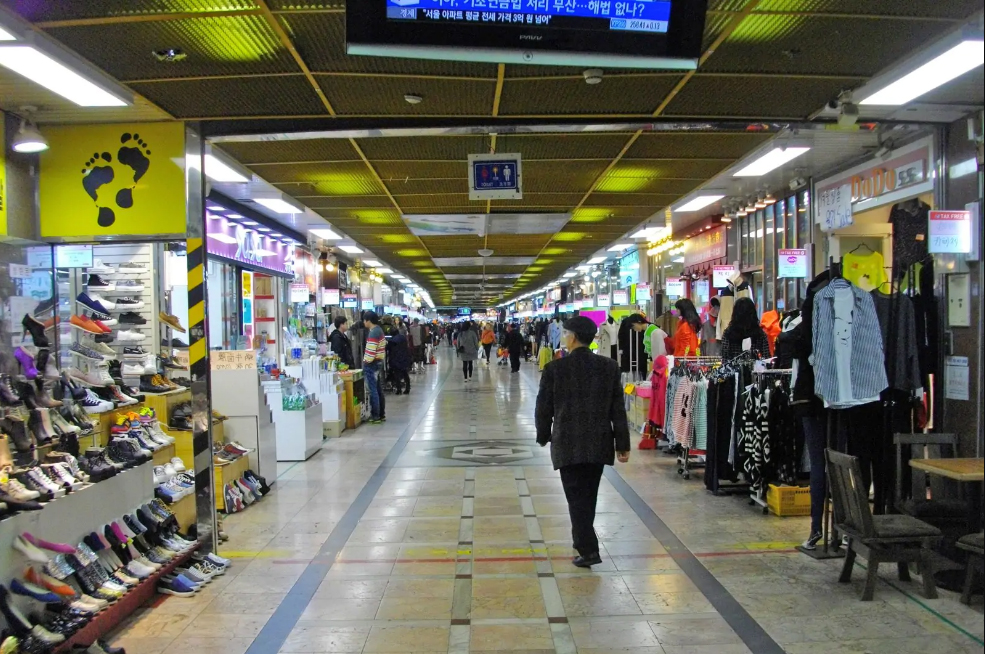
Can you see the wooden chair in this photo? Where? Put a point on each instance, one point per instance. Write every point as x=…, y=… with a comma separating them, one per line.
x=944, y=508
x=974, y=544
x=899, y=539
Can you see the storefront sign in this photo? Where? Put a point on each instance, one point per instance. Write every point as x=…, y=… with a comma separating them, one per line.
x=603, y=300
x=706, y=246
x=299, y=293
x=793, y=264
x=368, y=305
x=901, y=174
x=721, y=275
x=620, y=298
x=950, y=232
x=349, y=301
x=113, y=180
x=674, y=287
x=629, y=269
x=331, y=296
x=233, y=360
x=40, y=257
x=835, y=208
x=73, y=256
x=643, y=292
x=236, y=242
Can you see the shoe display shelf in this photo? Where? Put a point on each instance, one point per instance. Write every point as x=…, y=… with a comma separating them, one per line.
x=183, y=447
x=327, y=385
x=237, y=394
x=225, y=474
x=185, y=511
x=298, y=433
x=67, y=520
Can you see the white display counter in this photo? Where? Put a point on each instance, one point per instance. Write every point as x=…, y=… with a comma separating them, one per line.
x=238, y=395
x=326, y=385
x=298, y=434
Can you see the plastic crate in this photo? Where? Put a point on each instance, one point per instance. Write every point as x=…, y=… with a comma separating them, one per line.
x=786, y=501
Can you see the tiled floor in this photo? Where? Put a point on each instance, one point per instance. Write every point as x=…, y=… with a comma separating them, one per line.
x=446, y=530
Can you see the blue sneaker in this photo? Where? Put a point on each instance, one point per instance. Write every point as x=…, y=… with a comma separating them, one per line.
x=176, y=587
x=34, y=592
x=99, y=312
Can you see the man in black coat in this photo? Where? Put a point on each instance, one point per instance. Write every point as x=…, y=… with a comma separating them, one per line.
x=580, y=412
x=514, y=343
x=340, y=344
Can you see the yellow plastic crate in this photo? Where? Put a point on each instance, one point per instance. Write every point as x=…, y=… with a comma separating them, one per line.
x=786, y=501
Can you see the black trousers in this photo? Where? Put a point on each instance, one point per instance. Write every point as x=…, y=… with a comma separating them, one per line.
x=515, y=361
x=401, y=380
x=487, y=348
x=581, y=488
x=467, y=368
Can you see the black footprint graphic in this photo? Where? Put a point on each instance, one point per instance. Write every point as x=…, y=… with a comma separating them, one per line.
x=95, y=177
x=135, y=156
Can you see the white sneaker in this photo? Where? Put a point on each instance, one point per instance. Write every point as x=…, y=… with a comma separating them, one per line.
x=99, y=268
x=126, y=336
x=108, y=304
x=105, y=350
x=102, y=372
x=135, y=370
x=150, y=364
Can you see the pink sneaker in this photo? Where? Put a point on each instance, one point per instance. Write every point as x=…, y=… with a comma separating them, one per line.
x=61, y=548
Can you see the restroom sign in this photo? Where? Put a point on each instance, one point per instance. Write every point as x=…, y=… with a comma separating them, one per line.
x=495, y=177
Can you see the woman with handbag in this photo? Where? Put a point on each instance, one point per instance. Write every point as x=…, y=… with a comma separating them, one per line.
x=468, y=349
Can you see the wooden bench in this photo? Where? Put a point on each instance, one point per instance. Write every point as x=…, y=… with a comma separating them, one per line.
x=973, y=544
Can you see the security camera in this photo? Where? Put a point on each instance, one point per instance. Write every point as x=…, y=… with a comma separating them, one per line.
x=797, y=182
x=593, y=76
x=848, y=115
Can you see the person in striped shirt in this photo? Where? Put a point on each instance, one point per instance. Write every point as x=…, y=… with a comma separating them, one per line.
x=373, y=366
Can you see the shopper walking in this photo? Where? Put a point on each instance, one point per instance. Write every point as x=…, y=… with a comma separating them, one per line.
x=686, y=338
x=398, y=357
x=373, y=366
x=514, y=345
x=468, y=349
x=339, y=343
x=580, y=412
x=488, y=340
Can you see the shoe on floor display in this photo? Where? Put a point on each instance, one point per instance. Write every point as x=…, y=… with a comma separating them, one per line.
x=171, y=321
x=105, y=303
x=92, y=404
x=35, y=328
x=132, y=370
x=85, y=324
x=135, y=353
x=85, y=352
x=148, y=384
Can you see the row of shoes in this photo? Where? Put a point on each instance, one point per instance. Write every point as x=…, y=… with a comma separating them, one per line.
x=173, y=482
x=97, y=282
x=75, y=583
x=224, y=454
x=188, y=580
x=244, y=491
x=157, y=383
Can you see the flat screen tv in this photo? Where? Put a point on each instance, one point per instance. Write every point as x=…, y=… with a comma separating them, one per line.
x=654, y=34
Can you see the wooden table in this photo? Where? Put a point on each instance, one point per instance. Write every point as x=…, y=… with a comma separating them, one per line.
x=966, y=470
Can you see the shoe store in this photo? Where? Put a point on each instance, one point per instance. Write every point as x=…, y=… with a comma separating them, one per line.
x=114, y=460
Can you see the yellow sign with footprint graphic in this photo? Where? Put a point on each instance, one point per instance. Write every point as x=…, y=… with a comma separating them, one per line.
x=113, y=180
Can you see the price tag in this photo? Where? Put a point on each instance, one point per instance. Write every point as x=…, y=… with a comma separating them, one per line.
x=949, y=232
x=73, y=256
x=620, y=298
x=835, y=208
x=603, y=301
x=721, y=275
x=792, y=264
x=233, y=360
x=674, y=287
x=18, y=271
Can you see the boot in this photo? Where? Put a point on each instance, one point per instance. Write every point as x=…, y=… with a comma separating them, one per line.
x=25, y=357
x=37, y=430
x=7, y=394
x=36, y=329
x=43, y=396
x=6, y=460
x=45, y=364
x=19, y=433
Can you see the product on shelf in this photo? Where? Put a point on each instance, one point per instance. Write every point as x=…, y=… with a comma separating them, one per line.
x=171, y=321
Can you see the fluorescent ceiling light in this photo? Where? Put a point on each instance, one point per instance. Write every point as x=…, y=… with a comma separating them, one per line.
x=372, y=263
x=597, y=260
x=583, y=268
x=646, y=232
x=569, y=275
x=234, y=216
x=351, y=249
x=957, y=61
x=619, y=247
x=223, y=238
x=278, y=205
x=771, y=161
x=385, y=271
x=217, y=170
x=263, y=229
x=966, y=167
x=6, y=36
x=250, y=222
x=40, y=68
x=325, y=234
x=699, y=203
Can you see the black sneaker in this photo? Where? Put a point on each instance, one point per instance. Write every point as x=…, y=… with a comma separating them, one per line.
x=148, y=386
x=97, y=283
x=811, y=543
x=134, y=353
x=45, y=306
x=129, y=303
x=175, y=343
x=132, y=318
x=169, y=362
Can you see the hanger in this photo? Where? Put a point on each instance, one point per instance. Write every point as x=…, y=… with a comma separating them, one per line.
x=862, y=245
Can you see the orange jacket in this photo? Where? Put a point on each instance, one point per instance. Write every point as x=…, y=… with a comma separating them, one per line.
x=488, y=337
x=770, y=323
x=685, y=340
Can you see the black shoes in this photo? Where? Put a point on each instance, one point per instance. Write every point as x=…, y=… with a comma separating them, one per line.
x=587, y=561
x=36, y=329
x=147, y=385
x=132, y=318
x=181, y=417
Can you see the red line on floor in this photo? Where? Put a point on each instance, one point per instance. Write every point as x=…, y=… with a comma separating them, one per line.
x=522, y=559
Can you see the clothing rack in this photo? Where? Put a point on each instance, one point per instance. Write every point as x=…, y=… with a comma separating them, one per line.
x=759, y=376
x=693, y=365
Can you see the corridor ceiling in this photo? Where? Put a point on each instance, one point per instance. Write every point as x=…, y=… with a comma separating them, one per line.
x=764, y=60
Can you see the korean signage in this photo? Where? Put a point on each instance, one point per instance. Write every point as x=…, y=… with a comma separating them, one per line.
x=368, y=305
x=495, y=177
x=73, y=256
x=331, y=296
x=236, y=242
x=643, y=292
x=721, y=275
x=349, y=301
x=950, y=232
x=299, y=293
x=674, y=287
x=901, y=174
x=620, y=298
x=705, y=246
x=603, y=300
x=793, y=264
x=233, y=360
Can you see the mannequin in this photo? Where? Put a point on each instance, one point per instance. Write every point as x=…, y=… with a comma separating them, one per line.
x=609, y=338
